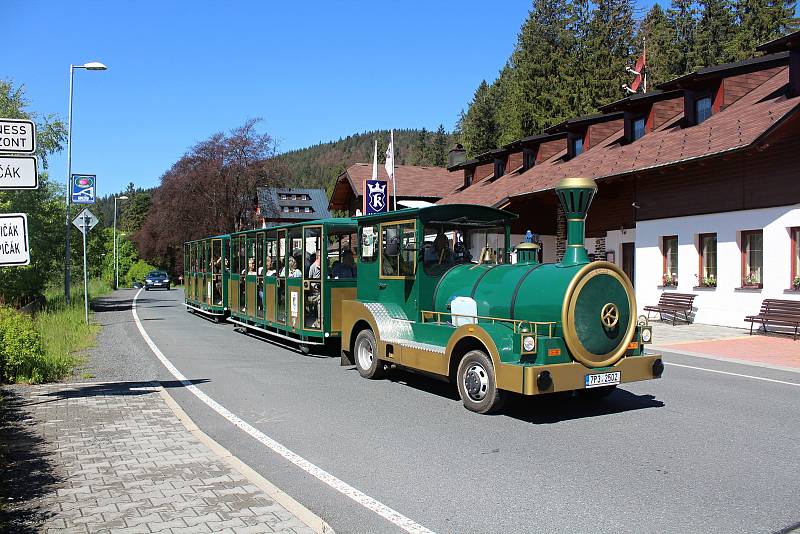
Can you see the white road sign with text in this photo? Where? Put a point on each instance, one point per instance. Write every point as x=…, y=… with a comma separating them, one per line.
x=18, y=172
x=14, y=239
x=17, y=136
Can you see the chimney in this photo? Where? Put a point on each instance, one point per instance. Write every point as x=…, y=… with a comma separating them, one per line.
x=791, y=43
x=456, y=156
x=576, y=196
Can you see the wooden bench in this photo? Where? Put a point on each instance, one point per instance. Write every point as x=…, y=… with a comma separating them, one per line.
x=777, y=312
x=673, y=303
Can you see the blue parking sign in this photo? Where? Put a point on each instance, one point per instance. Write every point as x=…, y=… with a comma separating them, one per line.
x=84, y=188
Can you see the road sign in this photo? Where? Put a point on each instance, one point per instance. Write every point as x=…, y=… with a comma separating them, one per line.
x=83, y=188
x=18, y=172
x=17, y=136
x=85, y=221
x=14, y=240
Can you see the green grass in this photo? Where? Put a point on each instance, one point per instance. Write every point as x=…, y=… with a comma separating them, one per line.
x=63, y=331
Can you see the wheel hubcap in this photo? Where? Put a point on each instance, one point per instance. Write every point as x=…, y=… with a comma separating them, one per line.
x=365, y=354
x=476, y=382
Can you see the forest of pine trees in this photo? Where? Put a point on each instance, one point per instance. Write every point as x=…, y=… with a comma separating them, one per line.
x=571, y=55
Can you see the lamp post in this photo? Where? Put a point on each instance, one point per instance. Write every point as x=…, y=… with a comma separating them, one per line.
x=94, y=65
x=116, y=257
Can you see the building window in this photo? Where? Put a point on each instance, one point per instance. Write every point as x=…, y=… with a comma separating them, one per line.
x=283, y=197
x=499, y=168
x=702, y=109
x=753, y=258
x=469, y=175
x=637, y=128
x=795, y=232
x=577, y=146
x=528, y=158
x=286, y=209
x=297, y=209
x=708, y=260
x=669, y=249
x=307, y=209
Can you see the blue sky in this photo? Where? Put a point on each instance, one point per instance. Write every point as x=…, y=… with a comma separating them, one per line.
x=181, y=71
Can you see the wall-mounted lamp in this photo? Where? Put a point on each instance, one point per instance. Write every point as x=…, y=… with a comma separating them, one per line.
x=635, y=205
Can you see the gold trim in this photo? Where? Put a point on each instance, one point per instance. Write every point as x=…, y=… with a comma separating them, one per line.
x=576, y=182
x=568, y=314
x=575, y=246
x=436, y=317
x=380, y=249
x=577, y=220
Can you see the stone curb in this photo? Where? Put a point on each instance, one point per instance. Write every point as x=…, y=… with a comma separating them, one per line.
x=672, y=350
x=312, y=520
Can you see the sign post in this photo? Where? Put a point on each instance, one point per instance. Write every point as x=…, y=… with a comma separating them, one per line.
x=85, y=221
x=14, y=249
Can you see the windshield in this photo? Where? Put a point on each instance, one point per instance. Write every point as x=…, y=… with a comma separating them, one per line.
x=446, y=245
x=157, y=274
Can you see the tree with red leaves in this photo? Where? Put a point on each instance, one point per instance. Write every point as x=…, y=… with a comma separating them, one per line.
x=211, y=190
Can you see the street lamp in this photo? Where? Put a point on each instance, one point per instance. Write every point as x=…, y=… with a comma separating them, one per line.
x=116, y=259
x=93, y=65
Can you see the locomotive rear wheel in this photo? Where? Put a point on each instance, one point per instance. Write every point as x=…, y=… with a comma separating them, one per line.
x=477, y=386
x=365, y=350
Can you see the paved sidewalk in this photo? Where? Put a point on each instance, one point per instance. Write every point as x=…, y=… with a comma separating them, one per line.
x=124, y=462
x=734, y=344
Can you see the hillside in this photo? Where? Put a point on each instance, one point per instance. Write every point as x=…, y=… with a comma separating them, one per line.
x=319, y=165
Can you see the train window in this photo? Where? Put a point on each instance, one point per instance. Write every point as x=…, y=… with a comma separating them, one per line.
x=398, y=249
x=271, y=260
x=295, y=263
x=446, y=245
x=341, y=262
x=226, y=254
x=312, y=288
x=368, y=238
x=216, y=269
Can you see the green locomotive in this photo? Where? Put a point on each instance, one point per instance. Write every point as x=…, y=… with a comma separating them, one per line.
x=438, y=294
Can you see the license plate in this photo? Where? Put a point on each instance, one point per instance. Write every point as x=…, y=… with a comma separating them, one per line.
x=602, y=379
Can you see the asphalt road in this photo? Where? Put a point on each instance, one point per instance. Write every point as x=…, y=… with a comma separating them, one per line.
x=694, y=452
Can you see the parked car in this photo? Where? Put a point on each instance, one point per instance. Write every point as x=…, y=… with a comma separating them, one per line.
x=137, y=285
x=156, y=279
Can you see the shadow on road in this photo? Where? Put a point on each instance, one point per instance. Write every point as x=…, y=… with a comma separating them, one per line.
x=110, y=388
x=544, y=409
x=26, y=471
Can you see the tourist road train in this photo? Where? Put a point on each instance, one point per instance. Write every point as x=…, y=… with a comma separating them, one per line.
x=439, y=290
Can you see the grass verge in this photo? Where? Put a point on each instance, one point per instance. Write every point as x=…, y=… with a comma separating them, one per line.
x=62, y=335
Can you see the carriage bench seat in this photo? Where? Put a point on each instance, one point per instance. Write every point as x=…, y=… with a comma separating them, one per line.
x=777, y=312
x=674, y=304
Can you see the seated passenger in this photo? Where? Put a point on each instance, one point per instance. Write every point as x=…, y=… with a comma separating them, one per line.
x=269, y=270
x=345, y=268
x=293, y=271
x=314, y=270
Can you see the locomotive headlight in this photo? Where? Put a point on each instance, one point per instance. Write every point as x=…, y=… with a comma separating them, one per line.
x=647, y=334
x=528, y=343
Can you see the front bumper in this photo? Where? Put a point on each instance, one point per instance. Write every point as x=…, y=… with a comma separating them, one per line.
x=572, y=376
x=153, y=285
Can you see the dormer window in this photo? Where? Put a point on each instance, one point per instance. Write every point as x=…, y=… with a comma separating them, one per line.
x=575, y=146
x=469, y=175
x=528, y=158
x=499, y=167
x=702, y=109
x=638, y=128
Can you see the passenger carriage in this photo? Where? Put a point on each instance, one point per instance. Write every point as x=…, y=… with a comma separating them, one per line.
x=205, y=285
x=289, y=281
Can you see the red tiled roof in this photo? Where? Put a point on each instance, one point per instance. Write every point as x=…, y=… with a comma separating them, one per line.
x=412, y=181
x=737, y=126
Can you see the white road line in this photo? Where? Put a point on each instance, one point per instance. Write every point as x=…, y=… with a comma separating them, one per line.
x=734, y=374
x=342, y=487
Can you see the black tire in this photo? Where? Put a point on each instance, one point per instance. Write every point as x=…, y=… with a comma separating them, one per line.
x=476, y=382
x=146, y=288
x=365, y=354
x=598, y=393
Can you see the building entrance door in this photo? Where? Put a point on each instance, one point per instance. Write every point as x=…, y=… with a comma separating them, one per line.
x=628, y=255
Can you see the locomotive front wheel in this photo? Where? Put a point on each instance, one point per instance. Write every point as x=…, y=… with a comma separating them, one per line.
x=366, y=353
x=476, y=383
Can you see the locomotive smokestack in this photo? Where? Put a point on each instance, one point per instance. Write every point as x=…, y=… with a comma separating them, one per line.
x=576, y=196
